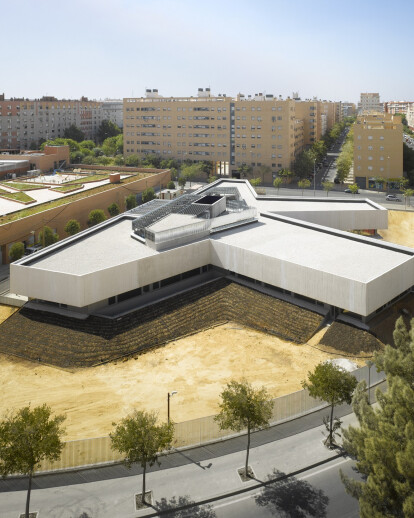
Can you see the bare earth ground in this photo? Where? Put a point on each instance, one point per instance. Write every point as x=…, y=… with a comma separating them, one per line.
x=197, y=367
x=400, y=228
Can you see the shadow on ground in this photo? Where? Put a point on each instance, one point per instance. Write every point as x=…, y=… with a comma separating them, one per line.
x=183, y=508
x=292, y=498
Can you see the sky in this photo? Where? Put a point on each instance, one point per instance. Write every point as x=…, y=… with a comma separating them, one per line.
x=118, y=48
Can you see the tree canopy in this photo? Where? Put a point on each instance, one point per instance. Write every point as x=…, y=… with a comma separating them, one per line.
x=304, y=164
x=141, y=439
x=383, y=443
x=148, y=195
x=113, y=209
x=96, y=216
x=16, y=251
x=72, y=227
x=244, y=407
x=130, y=201
x=26, y=438
x=333, y=385
x=74, y=133
x=107, y=129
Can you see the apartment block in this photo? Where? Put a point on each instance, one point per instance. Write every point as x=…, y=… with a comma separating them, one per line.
x=410, y=116
x=24, y=122
x=378, y=148
x=394, y=107
x=259, y=130
x=370, y=102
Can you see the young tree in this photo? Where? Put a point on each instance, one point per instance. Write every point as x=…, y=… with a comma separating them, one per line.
x=407, y=193
x=327, y=186
x=47, y=236
x=255, y=182
x=182, y=180
x=130, y=202
x=113, y=210
x=170, y=185
x=26, y=438
x=277, y=182
x=16, y=251
x=333, y=385
x=148, y=195
x=212, y=179
x=96, y=216
x=264, y=170
x=353, y=188
x=304, y=184
x=244, y=407
x=245, y=170
x=141, y=439
x=383, y=443
x=72, y=227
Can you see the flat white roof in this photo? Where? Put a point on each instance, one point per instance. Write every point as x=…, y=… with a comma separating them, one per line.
x=108, y=247
x=324, y=251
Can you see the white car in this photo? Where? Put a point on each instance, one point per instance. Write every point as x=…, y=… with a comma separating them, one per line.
x=392, y=197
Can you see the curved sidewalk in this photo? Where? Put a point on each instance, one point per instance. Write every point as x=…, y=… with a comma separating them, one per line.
x=176, y=458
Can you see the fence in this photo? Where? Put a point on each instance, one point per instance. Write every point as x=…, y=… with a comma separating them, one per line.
x=86, y=452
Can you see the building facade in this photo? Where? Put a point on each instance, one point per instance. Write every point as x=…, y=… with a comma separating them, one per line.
x=370, y=102
x=394, y=107
x=24, y=123
x=378, y=148
x=259, y=130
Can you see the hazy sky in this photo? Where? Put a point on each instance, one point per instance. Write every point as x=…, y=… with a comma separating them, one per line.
x=118, y=48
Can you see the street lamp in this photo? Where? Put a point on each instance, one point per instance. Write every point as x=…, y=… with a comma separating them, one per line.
x=170, y=395
x=369, y=364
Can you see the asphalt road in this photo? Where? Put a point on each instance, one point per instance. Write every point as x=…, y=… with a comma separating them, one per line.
x=318, y=493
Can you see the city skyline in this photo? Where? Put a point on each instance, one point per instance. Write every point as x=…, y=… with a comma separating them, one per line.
x=319, y=50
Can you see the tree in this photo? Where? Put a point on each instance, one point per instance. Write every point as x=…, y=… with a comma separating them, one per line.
x=132, y=161
x=383, y=443
x=113, y=145
x=47, y=237
x=76, y=157
x=255, y=182
x=182, y=180
x=304, y=164
x=26, y=438
x=72, y=227
x=245, y=170
x=285, y=174
x=130, y=202
x=353, y=188
x=212, y=179
x=148, y=195
x=87, y=144
x=16, y=251
x=277, y=182
x=170, y=185
x=333, y=385
x=319, y=149
x=141, y=439
x=74, y=133
x=327, y=186
x=244, y=407
x=96, y=216
x=192, y=171
x=407, y=193
x=304, y=184
x=113, y=210
x=106, y=130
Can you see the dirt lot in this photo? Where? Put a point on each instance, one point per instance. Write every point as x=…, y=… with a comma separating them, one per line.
x=197, y=367
x=400, y=228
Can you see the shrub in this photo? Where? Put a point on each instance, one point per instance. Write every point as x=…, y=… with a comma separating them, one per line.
x=148, y=195
x=130, y=202
x=49, y=237
x=170, y=185
x=113, y=210
x=72, y=227
x=16, y=251
x=96, y=216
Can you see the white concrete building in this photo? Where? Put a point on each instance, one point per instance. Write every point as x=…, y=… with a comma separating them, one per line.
x=370, y=102
x=298, y=248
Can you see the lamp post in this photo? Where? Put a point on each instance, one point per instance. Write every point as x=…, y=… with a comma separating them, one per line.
x=314, y=177
x=369, y=364
x=170, y=395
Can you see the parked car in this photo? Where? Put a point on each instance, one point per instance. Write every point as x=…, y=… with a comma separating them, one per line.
x=349, y=190
x=392, y=197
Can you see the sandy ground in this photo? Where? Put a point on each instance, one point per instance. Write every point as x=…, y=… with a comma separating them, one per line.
x=197, y=367
x=6, y=312
x=400, y=228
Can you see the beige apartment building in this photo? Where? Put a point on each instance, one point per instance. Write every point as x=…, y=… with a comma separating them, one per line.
x=378, y=148
x=259, y=130
x=24, y=122
x=394, y=107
